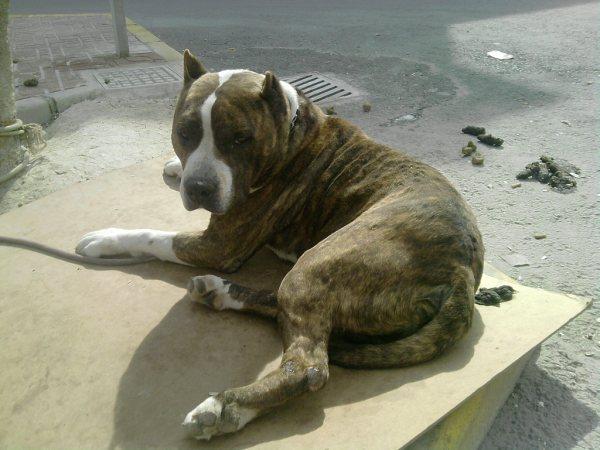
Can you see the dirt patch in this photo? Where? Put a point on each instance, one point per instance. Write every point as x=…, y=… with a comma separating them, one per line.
x=89, y=139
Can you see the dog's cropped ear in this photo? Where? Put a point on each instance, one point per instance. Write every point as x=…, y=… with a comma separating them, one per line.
x=192, y=68
x=273, y=93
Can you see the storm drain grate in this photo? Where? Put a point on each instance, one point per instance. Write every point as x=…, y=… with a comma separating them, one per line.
x=322, y=88
x=136, y=77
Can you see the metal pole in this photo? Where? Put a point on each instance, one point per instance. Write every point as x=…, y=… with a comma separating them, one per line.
x=120, y=28
x=8, y=113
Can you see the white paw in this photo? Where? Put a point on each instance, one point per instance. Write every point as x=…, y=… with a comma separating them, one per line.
x=106, y=242
x=202, y=421
x=210, y=418
x=213, y=292
x=173, y=167
x=140, y=242
x=214, y=283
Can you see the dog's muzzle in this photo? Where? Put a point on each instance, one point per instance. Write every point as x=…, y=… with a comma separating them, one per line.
x=201, y=192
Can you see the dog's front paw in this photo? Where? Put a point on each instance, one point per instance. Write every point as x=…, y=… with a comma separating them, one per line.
x=213, y=292
x=173, y=168
x=106, y=242
x=212, y=418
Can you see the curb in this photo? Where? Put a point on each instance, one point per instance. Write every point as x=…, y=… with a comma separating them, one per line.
x=159, y=47
x=44, y=109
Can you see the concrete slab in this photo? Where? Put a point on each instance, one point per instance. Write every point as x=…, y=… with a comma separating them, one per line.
x=116, y=357
x=467, y=426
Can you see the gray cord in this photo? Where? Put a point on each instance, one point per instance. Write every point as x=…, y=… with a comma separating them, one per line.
x=72, y=257
x=14, y=172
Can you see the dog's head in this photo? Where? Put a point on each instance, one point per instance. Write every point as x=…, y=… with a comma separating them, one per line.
x=230, y=131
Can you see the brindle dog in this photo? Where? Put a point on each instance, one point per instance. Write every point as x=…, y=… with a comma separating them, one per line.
x=389, y=253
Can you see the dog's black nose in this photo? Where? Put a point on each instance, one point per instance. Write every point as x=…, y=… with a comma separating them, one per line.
x=200, y=191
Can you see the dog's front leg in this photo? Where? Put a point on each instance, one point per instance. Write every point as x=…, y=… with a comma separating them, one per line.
x=195, y=249
x=173, y=168
x=208, y=248
x=214, y=249
x=138, y=242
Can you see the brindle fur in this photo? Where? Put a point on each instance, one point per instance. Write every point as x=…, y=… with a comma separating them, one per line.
x=390, y=254
x=262, y=303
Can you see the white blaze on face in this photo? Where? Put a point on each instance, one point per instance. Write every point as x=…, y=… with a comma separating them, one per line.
x=225, y=75
x=204, y=158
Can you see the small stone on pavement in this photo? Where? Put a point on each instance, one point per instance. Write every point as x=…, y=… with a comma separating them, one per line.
x=516, y=260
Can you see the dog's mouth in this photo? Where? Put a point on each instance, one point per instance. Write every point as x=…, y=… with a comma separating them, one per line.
x=213, y=206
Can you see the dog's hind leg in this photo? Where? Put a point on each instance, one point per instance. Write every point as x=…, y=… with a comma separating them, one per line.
x=303, y=368
x=220, y=294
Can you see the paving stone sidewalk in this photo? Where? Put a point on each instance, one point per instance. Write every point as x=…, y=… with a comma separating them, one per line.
x=56, y=48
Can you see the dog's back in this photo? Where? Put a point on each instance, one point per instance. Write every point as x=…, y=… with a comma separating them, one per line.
x=422, y=208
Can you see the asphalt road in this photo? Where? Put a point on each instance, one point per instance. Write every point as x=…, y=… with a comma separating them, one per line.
x=428, y=59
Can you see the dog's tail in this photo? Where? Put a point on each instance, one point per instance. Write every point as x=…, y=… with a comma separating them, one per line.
x=451, y=322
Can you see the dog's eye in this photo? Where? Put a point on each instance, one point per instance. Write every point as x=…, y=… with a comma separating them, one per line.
x=183, y=134
x=242, y=138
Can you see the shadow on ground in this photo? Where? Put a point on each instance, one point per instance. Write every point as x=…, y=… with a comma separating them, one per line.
x=194, y=351
x=561, y=421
